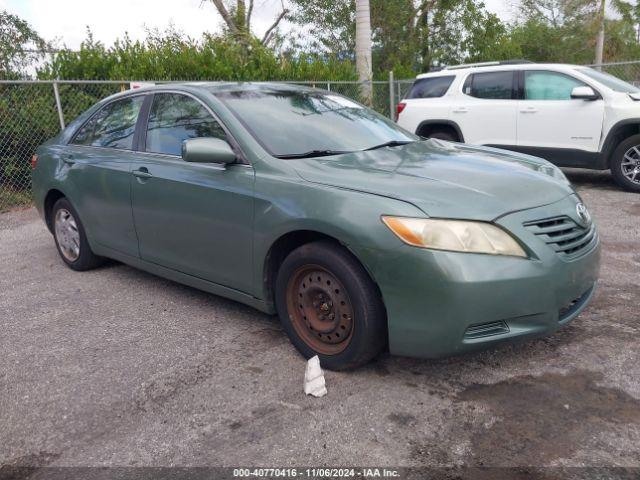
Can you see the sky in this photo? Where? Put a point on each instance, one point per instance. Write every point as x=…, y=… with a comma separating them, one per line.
x=67, y=20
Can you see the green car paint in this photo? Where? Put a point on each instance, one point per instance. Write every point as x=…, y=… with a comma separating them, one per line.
x=222, y=227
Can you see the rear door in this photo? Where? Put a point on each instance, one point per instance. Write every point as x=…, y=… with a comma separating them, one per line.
x=190, y=217
x=486, y=110
x=427, y=101
x=549, y=118
x=98, y=160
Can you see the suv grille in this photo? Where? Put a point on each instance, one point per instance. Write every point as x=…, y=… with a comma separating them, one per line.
x=563, y=235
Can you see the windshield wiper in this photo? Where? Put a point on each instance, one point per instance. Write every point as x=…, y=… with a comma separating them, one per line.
x=392, y=143
x=313, y=153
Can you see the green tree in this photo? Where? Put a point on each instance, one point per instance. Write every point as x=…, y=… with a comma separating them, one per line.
x=237, y=16
x=566, y=30
x=408, y=35
x=20, y=46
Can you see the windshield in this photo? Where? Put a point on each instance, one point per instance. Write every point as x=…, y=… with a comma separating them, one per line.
x=614, y=83
x=297, y=123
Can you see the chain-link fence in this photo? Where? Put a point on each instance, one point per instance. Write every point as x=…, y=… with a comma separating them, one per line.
x=33, y=111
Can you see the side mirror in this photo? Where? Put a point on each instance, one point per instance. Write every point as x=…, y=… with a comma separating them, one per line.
x=584, y=93
x=207, y=150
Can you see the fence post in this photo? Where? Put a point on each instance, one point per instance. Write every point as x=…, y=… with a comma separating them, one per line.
x=56, y=94
x=392, y=96
x=328, y=86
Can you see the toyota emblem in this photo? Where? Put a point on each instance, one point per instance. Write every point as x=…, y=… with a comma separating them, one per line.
x=583, y=214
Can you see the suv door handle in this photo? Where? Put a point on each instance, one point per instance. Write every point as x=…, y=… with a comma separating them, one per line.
x=142, y=172
x=460, y=110
x=529, y=110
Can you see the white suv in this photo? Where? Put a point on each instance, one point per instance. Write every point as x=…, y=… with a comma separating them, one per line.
x=572, y=116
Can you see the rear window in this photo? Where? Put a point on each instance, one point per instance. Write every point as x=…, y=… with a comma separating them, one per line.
x=431, y=87
x=494, y=85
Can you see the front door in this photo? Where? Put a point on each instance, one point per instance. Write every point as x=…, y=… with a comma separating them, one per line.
x=195, y=218
x=549, y=118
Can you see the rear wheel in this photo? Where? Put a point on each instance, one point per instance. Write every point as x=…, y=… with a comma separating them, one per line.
x=70, y=238
x=330, y=307
x=625, y=164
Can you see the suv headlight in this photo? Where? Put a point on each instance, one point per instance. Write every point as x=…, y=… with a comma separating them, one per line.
x=454, y=235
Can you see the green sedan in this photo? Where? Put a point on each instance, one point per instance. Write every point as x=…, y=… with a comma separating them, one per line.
x=358, y=234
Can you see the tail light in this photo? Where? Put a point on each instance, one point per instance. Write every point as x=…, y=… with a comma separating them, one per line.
x=34, y=162
x=399, y=108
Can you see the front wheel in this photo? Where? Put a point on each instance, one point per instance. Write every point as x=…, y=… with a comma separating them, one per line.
x=625, y=164
x=330, y=307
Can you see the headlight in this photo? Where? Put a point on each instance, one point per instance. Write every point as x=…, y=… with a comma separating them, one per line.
x=454, y=235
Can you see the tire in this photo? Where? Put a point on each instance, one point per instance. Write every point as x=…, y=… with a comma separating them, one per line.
x=69, y=233
x=625, y=161
x=330, y=307
x=440, y=135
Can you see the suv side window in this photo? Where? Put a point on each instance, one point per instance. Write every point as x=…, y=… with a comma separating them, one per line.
x=431, y=87
x=174, y=118
x=493, y=85
x=546, y=85
x=113, y=126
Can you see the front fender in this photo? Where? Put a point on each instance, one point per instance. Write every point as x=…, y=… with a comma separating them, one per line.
x=350, y=217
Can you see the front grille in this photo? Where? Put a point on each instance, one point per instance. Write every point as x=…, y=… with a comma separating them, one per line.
x=563, y=235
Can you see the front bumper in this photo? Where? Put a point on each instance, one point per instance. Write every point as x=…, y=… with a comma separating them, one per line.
x=444, y=303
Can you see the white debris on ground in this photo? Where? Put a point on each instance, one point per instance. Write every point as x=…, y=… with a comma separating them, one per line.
x=314, y=383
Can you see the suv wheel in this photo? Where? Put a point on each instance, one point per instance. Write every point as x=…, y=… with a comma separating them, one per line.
x=330, y=307
x=625, y=164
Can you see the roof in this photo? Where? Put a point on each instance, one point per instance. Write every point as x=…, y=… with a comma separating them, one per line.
x=497, y=67
x=216, y=87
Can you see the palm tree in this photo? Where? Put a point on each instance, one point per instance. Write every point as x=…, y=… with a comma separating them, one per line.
x=363, y=49
x=600, y=37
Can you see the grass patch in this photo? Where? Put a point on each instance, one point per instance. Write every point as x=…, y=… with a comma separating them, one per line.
x=10, y=198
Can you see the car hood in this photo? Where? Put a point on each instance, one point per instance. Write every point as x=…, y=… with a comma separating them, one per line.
x=444, y=179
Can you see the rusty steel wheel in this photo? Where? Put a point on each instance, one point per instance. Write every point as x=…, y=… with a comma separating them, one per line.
x=329, y=306
x=320, y=309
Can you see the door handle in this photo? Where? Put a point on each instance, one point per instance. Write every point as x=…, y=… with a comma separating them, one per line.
x=529, y=110
x=68, y=159
x=460, y=110
x=142, y=172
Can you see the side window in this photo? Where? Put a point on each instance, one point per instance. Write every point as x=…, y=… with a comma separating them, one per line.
x=541, y=85
x=175, y=118
x=431, y=87
x=494, y=85
x=113, y=126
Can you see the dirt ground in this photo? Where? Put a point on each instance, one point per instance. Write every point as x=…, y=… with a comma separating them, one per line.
x=118, y=367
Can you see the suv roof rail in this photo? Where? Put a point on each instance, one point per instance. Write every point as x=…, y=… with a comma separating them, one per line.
x=486, y=64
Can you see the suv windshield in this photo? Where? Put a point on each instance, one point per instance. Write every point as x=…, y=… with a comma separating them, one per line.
x=614, y=83
x=298, y=123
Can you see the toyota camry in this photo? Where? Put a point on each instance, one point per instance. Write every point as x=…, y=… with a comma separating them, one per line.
x=360, y=235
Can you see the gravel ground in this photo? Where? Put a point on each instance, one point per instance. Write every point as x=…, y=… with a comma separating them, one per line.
x=119, y=367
